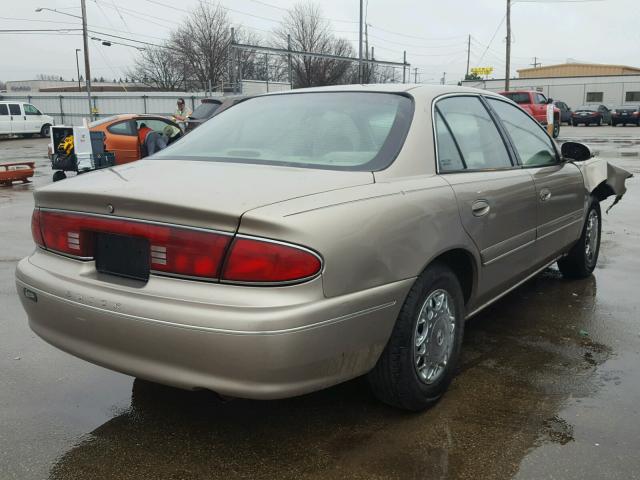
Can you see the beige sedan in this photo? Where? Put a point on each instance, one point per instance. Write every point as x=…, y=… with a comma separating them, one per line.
x=302, y=239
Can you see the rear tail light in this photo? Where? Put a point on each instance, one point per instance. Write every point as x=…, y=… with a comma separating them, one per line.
x=636, y=113
x=173, y=250
x=258, y=261
x=180, y=251
x=36, y=231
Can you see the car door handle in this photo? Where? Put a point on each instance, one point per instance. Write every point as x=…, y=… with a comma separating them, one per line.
x=480, y=208
x=545, y=194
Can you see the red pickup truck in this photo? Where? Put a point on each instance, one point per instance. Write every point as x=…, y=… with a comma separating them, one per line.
x=536, y=104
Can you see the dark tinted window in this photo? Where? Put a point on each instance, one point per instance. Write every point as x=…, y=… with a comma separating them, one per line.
x=3, y=109
x=533, y=145
x=204, y=110
x=518, y=97
x=330, y=130
x=14, y=108
x=594, y=96
x=475, y=132
x=122, y=128
x=632, y=97
x=586, y=108
x=449, y=158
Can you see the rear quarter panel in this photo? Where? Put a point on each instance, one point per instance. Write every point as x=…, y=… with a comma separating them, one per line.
x=371, y=235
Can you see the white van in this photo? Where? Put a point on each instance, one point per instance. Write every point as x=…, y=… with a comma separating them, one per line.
x=18, y=118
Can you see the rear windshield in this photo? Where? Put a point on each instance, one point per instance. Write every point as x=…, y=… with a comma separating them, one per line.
x=331, y=130
x=518, y=97
x=586, y=108
x=204, y=110
x=626, y=107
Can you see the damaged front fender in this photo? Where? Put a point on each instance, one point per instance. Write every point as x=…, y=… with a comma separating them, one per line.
x=604, y=180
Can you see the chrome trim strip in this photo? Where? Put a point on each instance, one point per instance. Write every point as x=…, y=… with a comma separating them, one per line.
x=224, y=331
x=510, y=289
x=505, y=254
x=138, y=220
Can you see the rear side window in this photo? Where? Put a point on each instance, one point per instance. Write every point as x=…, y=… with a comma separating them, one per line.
x=474, y=132
x=533, y=145
x=449, y=158
x=14, y=109
x=3, y=109
x=520, y=98
x=122, y=128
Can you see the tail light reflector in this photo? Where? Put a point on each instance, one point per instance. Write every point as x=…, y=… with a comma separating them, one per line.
x=258, y=261
x=174, y=250
x=36, y=231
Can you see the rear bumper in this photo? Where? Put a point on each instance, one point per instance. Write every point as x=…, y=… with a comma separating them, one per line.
x=625, y=119
x=246, y=342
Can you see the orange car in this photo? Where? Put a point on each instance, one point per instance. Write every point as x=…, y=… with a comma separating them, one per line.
x=121, y=133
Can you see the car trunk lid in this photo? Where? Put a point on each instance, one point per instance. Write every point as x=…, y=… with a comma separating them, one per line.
x=202, y=194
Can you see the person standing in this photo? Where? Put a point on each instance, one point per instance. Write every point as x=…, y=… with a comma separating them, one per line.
x=182, y=113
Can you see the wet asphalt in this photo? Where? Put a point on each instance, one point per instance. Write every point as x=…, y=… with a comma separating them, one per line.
x=548, y=387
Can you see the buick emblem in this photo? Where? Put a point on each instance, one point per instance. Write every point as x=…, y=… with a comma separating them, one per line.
x=110, y=208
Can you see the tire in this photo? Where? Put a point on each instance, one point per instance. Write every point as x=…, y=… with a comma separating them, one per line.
x=574, y=123
x=44, y=131
x=395, y=380
x=583, y=256
x=59, y=175
x=26, y=135
x=599, y=124
x=556, y=129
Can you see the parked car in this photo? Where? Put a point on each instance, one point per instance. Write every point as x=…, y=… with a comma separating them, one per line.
x=565, y=112
x=301, y=239
x=591, y=114
x=535, y=103
x=23, y=119
x=210, y=107
x=121, y=133
x=626, y=114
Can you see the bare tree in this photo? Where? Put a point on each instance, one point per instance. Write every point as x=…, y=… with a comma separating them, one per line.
x=159, y=67
x=311, y=33
x=203, y=42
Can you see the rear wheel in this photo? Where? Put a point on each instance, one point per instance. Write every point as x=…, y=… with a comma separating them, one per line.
x=583, y=256
x=420, y=359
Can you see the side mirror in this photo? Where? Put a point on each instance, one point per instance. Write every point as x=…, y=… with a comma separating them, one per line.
x=575, y=151
x=549, y=100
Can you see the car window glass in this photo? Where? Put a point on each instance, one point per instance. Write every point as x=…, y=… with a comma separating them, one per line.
x=541, y=99
x=3, y=109
x=122, y=128
x=449, y=158
x=153, y=123
x=30, y=109
x=475, y=132
x=518, y=97
x=533, y=145
x=14, y=108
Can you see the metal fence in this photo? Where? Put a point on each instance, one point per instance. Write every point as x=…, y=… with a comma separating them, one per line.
x=70, y=108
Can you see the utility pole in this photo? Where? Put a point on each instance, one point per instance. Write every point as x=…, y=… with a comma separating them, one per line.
x=404, y=67
x=360, y=47
x=87, y=67
x=468, y=54
x=444, y=77
x=415, y=75
x=535, y=63
x=508, y=62
x=78, y=68
x=366, y=51
x=290, y=65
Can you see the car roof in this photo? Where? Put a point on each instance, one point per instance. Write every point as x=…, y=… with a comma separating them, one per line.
x=415, y=90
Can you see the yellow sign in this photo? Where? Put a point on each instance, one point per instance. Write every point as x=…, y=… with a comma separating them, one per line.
x=482, y=70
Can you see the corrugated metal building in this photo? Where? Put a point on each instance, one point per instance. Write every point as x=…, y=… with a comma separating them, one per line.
x=568, y=83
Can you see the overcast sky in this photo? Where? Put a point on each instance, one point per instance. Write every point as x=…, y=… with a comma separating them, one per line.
x=434, y=32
